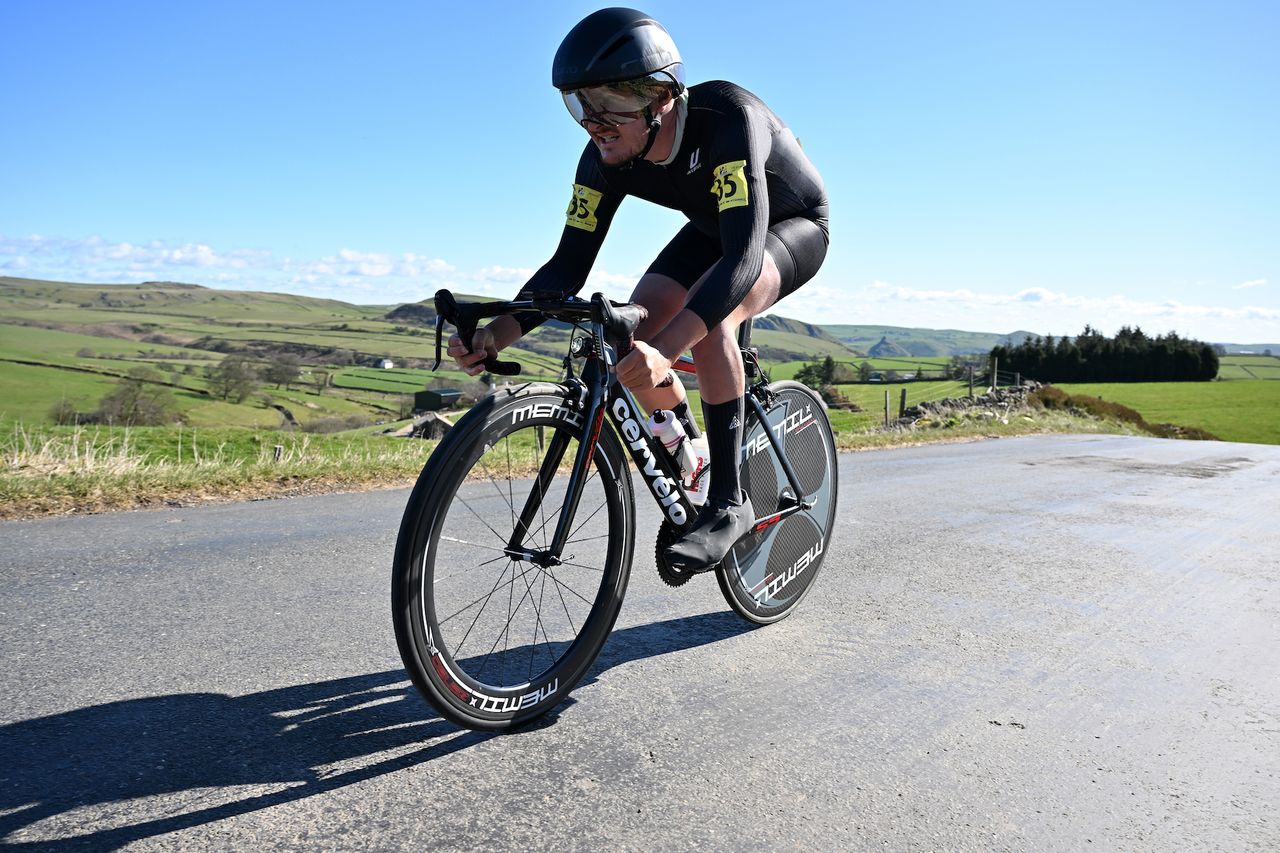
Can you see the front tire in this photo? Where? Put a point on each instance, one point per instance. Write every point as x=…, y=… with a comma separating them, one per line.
x=491, y=641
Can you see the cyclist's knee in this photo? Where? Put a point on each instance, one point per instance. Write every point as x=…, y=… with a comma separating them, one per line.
x=721, y=337
x=762, y=295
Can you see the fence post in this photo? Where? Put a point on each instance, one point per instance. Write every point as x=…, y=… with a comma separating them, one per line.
x=971, y=381
x=902, y=404
x=995, y=373
x=886, y=407
x=1017, y=380
x=279, y=452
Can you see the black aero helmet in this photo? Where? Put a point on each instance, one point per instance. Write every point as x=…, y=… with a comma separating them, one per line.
x=613, y=45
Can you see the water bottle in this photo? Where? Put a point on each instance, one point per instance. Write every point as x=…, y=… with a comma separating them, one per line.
x=690, y=455
x=698, y=479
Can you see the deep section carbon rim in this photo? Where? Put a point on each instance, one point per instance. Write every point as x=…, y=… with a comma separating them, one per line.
x=506, y=634
x=769, y=571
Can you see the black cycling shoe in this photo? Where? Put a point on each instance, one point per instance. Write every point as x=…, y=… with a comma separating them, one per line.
x=718, y=527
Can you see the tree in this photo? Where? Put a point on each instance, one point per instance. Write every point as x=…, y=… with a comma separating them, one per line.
x=1131, y=356
x=63, y=412
x=134, y=402
x=283, y=370
x=146, y=373
x=815, y=374
x=235, y=378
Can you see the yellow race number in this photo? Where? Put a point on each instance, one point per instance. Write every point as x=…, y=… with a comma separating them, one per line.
x=582, y=208
x=729, y=185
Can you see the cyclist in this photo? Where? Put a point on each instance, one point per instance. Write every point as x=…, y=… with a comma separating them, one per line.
x=757, y=230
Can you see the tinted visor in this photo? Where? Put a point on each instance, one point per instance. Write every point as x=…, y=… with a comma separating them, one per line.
x=605, y=105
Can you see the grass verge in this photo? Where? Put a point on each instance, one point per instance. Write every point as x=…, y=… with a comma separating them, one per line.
x=63, y=470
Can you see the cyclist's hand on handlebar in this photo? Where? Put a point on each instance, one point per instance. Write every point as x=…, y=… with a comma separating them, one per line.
x=643, y=368
x=482, y=347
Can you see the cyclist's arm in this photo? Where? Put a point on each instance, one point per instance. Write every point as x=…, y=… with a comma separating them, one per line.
x=590, y=212
x=742, y=193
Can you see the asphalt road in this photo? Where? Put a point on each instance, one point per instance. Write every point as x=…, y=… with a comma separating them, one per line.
x=1037, y=643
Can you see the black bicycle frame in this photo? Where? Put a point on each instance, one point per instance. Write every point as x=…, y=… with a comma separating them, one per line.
x=604, y=395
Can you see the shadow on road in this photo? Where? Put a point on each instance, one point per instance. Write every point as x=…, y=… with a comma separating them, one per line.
x=194, y=742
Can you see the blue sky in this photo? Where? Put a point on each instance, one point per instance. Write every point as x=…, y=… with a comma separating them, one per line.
x=991, y=165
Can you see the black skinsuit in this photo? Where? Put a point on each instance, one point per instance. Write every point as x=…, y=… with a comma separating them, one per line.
x=740, y=176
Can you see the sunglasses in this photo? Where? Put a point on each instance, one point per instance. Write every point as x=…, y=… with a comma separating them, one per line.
x=604, y=105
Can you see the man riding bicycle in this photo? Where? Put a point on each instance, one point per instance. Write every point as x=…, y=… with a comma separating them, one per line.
x=757, y=231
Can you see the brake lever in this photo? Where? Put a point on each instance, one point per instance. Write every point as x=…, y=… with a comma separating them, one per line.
x=439, y=331
x=465, y=321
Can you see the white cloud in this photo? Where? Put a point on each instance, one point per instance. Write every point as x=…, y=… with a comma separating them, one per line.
x=1044, y=310
x=348, y=274
x=354, y=275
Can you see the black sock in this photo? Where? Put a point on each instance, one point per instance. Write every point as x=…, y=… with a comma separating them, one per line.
x=685, y=417
x=724, y=440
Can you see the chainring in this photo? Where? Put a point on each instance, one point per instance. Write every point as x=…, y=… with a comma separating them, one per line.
x=671, y=576
x=668, y=533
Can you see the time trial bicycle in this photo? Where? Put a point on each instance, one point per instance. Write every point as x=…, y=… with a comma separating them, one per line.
x=516, y=544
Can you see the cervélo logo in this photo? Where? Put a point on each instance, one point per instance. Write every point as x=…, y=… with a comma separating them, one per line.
x=663, y=487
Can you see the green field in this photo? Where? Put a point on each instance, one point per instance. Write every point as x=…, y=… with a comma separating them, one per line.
x=28, y=392
x=1239, y=410
x=930, y=365
x=66, y=341
x=1248, y=367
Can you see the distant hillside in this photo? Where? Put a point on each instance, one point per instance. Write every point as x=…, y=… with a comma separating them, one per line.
x=774, y=323
x=1251, y=349
x=886, y=348
x=174, y=298
x=922, y=342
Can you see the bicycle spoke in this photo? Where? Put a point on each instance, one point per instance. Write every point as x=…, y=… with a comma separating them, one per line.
x=587, y=539
x=588, y=519
x=584, y=566
x=481, y=518
x=484, y=597
x=565, y=605
x=560, y=508
x=479, y=612
x=506, y=632
x=564, y=585
x=533, y=647
x=511, y=502
x=494, y=480
x=455, y=539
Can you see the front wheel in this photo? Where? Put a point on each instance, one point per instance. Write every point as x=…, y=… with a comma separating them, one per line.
x=768, y=573
x=490, y=640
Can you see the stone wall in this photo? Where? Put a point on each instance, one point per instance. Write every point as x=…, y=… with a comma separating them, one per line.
x=996, y=403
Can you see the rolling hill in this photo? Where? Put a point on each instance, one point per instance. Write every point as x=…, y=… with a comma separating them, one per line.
x=922, y=342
